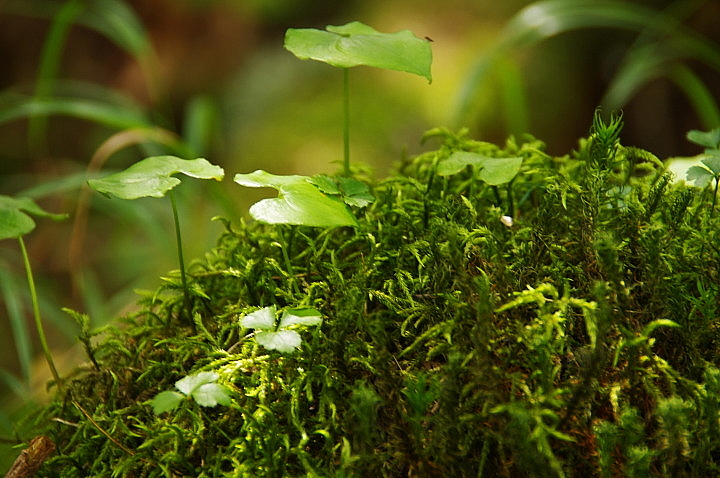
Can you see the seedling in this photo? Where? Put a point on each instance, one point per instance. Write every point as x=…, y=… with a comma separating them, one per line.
x=356, y=44
x=153, y=177
x=301, y=199
x=708, y=170
x=15, y=222
x=280, y=336
x=201, y=387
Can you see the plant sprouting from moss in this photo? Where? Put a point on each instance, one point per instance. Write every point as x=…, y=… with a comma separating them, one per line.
x=356, y=44
x=153, y=177
x=280, y=335
x=15, y=222
x=202, y=387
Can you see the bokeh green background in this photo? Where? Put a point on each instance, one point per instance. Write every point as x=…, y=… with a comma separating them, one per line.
x=215, y=74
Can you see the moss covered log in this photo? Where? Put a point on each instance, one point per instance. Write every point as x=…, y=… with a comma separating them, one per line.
x=564, y=323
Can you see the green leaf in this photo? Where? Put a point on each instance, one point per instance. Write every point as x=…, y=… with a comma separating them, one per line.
x=303, y=317
x=700, y=175
x=355, y=193
x=352, y=191
x=357, y=44
x=325, y=184
x=713, y=164
x=166, y=401
x=260, y=319
x=14, y=218
x=211, y=394
x=284, y=341
x=493, y=171
x=709, y=139
x=189, y=384
x=153, y=177
x=299, y=202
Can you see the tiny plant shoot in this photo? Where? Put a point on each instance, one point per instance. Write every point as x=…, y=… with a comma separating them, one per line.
x=319, y=201
x=153, y=177
x=201, y=387
x=15, y=222
x=280, y=336
x=708, y=170
x=356, y=44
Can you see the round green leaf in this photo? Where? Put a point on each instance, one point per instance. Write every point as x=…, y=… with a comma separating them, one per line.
x=14, y=218
x=260, y=319
x=709, y=139
x=166, y=401
x=299, y=202
x=189, y=384
x=356, y=44
x=302, y=317
x=284, y=341
x=153, y=177
x=493, y=171
x=210, y=394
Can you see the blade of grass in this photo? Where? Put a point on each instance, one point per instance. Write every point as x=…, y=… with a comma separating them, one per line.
x=20, y=332
x=99, y=112
x=346, y=121
x=697, y=92
x=542, y=20
x=36, y=314
x=49, y=64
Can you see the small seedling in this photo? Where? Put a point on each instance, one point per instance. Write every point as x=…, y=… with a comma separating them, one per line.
x=201, y=387
x=708, y=170
x=280, y=336
x=301, y=200
x=356, y=44
x=153, y=177
x=15, y=222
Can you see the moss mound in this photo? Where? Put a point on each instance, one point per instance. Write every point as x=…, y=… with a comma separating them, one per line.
x=578, y=338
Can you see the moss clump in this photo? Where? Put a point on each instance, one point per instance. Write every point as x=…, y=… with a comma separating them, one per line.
x=579, y=340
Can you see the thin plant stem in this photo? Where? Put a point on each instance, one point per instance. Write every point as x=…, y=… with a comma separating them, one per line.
x=36, y=313
x=346, y=122
x=178, y=239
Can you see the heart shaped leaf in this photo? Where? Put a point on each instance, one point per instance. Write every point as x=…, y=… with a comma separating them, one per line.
x=356, y=44
x=299, y=202
x=15, y=220
x=260, y=319
x=494, y=171
x=284, y=341
x=203, y=389
x=166, y=401
x=709, y=139
x=700, y=175
x=302, y=317
x=153, y=177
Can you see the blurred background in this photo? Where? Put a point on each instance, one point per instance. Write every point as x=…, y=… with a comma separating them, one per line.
x=89, y=87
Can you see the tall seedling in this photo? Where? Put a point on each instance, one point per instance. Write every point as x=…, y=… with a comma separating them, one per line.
x=15, y=222
x=153, y=177
x=356, y=44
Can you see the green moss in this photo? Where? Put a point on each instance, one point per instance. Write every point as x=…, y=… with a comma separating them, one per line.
x=453, y=343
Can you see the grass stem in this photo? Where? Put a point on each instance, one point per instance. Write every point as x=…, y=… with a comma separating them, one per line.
x=36, y=313
x=178, y=239
x=346, y=122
